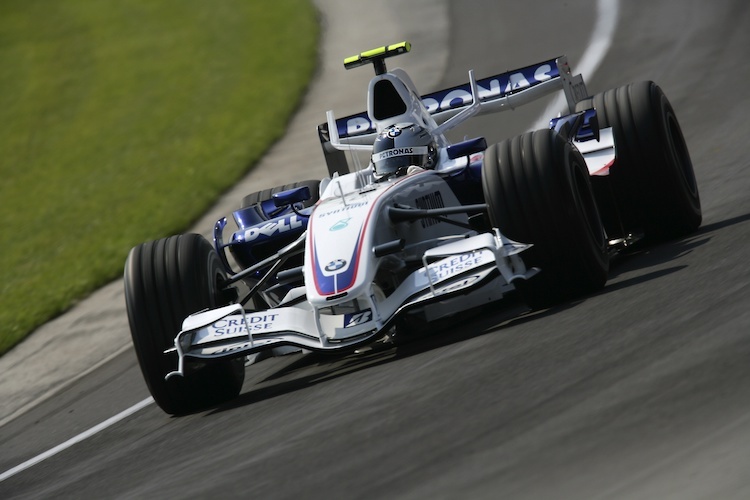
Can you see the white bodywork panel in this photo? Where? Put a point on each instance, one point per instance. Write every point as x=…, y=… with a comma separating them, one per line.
x=599, y=155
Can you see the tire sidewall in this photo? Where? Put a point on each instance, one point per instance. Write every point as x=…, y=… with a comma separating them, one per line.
x=675, y=149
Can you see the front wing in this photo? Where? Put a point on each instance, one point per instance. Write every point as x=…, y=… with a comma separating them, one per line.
x=484, y=265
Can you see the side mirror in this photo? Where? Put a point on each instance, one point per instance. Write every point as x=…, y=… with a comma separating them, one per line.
x=467, y=148
x=291, y=196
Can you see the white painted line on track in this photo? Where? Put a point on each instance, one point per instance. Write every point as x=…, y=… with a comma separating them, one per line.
x=607, y=13
x=55, y=390
x=77, y=439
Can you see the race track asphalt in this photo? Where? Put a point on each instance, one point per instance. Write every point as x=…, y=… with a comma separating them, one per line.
x=639, y=391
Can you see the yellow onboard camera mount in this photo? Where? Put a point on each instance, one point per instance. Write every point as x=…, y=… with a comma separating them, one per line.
x=377, y=56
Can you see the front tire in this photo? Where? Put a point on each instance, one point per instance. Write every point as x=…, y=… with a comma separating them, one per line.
x=537, y=190
x=165, y=281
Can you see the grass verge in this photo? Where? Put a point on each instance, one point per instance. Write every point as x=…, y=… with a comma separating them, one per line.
x=122, y=121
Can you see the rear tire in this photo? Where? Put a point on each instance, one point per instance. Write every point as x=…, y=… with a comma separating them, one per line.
x=165, y=281
x=652, y=181
x=537, y=190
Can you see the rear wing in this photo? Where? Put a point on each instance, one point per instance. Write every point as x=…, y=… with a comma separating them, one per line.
x=496, y=93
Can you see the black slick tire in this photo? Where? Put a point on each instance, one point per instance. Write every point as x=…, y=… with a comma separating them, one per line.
x=165, y=281
x=652, y=180
x=537, y=189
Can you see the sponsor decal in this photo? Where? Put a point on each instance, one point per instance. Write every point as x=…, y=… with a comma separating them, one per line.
x=335, y=265
x=489, y=88
x=454, y=265
x=227, y=349
x=343, y=208
x=329, y=278
x=343, y=223
x=232, y=326
x=461, y=283
x=431, y=200
x=355, y=319
x=355, y=125
x=390, y=153
x=394, y=132
x=270, y=228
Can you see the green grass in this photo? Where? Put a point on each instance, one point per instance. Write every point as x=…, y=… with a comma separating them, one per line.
x=122, y=121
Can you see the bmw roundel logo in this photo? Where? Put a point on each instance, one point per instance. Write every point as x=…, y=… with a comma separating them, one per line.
x=335, y=265
x=394, y=132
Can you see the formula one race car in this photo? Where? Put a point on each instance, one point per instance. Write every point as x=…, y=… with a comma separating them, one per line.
x=426, y=230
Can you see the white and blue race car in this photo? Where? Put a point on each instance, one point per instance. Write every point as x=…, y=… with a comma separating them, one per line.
x=426, y=230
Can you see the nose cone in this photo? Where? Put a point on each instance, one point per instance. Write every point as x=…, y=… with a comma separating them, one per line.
x=336, y=247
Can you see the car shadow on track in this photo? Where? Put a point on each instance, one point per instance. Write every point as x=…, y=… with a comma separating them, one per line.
x=305, y=370
x=299, y=371
x=643, y=256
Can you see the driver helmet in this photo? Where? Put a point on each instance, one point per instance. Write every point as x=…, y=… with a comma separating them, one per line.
x=400, y=146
